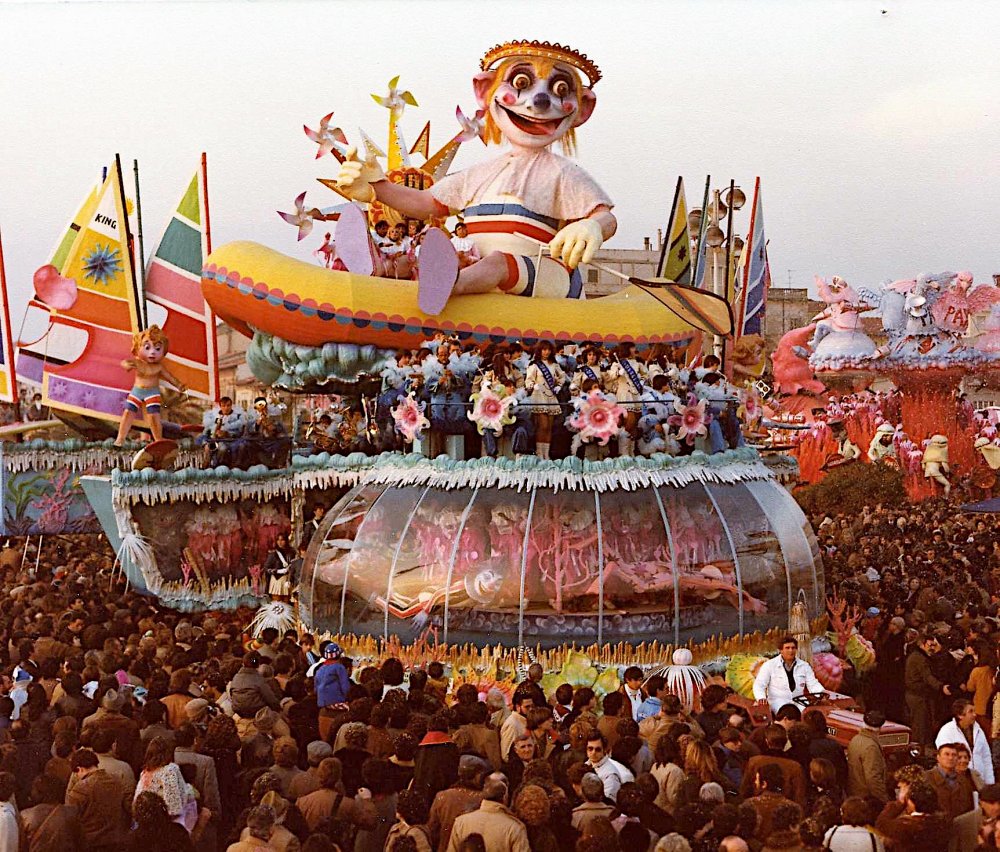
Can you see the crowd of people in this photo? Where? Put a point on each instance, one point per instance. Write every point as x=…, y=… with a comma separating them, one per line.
x=125, y=726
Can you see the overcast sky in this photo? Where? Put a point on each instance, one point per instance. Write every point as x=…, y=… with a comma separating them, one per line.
x=875, y=135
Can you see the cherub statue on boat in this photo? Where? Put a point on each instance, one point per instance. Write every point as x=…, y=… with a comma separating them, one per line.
x=149, y=348
x=533, y=94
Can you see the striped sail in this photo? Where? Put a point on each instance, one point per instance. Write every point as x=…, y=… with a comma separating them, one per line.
x=8, y=378
x=173, y=281
x=35, y=349
x=100, y=324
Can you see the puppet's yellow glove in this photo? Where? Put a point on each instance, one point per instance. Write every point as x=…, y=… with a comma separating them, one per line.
x=577, y=243
x=356, y=177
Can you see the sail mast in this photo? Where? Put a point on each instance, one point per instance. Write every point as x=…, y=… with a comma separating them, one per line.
x=142, y=251
x=8, y=375
x=127, y=233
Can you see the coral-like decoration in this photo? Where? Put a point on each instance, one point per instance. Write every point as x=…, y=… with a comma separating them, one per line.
x=843, y=620
x=597, y=418
x=409, y=418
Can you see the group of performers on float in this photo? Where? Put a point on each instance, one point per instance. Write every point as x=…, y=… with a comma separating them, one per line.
x=550, y=381
x=237, y=438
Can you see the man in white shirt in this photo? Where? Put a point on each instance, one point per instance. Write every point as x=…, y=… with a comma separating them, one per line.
x=612, y=773
x=963, y=728
x=784, y=678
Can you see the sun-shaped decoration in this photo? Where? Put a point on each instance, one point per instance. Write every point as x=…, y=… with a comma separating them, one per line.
x=129, y=206
x=102, y=264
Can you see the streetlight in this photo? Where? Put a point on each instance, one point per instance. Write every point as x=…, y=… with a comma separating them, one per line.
x=721, y=242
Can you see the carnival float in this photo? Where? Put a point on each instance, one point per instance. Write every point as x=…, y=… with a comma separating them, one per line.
x=692, y=545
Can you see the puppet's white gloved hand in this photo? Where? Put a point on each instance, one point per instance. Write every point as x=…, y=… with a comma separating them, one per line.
x=356, y=177
x=577, y=243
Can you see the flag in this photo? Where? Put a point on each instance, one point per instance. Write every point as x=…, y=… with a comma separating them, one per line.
x=675, y=256
x=173, y=282
x=8, y=381
x=756, y=273
x=701, y=261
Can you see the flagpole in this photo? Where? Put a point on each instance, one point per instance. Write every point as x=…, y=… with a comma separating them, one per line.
x=729, y=262
x=701, y=230
x=665, y=248
x=741, y=315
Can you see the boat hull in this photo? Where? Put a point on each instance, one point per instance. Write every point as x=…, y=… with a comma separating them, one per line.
x=252, y=287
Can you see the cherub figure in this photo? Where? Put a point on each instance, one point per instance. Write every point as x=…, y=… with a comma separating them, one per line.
x=533, y=94
x=149, y=348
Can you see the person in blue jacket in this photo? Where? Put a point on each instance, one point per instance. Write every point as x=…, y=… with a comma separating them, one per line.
x=332, y=682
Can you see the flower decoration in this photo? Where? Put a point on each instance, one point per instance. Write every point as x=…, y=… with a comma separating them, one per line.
x=691, y=420
x=409, y=418
x=492, y=410
x=597, y=418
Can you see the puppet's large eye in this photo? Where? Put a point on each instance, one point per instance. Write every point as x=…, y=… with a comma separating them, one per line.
x=521, y=81
x=560, y=88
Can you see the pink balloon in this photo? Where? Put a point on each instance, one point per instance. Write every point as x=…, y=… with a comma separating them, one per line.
x=52, y=288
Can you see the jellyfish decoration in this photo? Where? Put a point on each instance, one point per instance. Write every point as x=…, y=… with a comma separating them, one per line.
x=277, y=614
x=684, y=680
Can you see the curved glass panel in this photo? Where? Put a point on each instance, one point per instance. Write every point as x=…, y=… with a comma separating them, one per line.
x=766, y=589
x=673, y=564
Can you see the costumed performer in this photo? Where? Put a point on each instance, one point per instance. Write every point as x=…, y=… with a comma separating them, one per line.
x=277, y=569
x=935, y=462
x=533, y=94
x=543, y=382
x=149, y=348
x=624, y=380
x=654, y=430
x=589, y=369
x=267, y=433
x=222, y=434
x=785, y=677
x=882, y=447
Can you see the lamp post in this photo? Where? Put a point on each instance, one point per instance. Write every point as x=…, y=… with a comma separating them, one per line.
x=722, y=246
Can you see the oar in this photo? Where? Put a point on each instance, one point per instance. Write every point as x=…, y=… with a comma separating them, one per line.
x=704, y=310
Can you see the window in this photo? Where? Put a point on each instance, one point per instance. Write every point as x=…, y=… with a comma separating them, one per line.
x=592, y=276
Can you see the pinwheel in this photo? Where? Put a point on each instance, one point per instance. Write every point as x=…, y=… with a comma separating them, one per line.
x=472, y=128
x=302, y=218
x=329, y=139
x=395, y=100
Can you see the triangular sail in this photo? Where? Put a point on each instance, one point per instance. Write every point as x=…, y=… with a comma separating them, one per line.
x=104, y=316
x=34, y=350
x=173, y=281
x=675, y=256
x=8, y=378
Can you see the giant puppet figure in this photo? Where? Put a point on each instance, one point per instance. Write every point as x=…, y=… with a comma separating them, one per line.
x=533, y=94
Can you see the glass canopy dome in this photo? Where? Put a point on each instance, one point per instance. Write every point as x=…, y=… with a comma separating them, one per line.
x=543, y=566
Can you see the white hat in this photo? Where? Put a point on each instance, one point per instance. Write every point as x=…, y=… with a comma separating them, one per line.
x=886, y=429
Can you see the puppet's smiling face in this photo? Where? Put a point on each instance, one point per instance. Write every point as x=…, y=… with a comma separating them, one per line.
x=534, y=110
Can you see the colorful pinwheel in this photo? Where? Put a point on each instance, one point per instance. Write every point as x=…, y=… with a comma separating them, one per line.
x=395, y=100
x=472, y=128
x=302, y=218
x=491, y=410
x=329, y=139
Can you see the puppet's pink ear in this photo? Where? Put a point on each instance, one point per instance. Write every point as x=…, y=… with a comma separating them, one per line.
x=588, y=100
x=481, y=86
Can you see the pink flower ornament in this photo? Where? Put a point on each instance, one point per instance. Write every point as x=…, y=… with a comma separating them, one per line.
x=491, y=410
x=409, y=418
x=597, y=418
x=690, y=420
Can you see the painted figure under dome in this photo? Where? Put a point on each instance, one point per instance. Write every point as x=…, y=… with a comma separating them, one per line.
x=533, y=94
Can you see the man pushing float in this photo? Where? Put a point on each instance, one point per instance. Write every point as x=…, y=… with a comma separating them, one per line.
x=533, y=94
